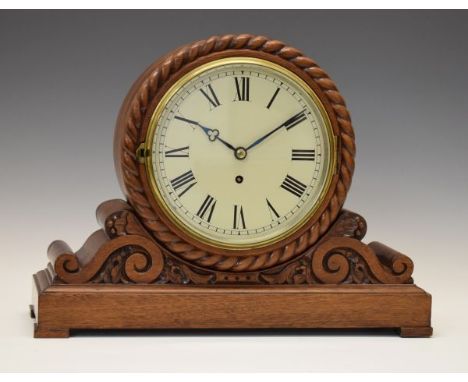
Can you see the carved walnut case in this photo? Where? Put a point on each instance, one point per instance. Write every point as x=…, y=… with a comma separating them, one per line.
x=138, y=244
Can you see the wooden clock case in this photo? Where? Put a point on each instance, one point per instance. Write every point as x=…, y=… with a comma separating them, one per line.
x=140, y=271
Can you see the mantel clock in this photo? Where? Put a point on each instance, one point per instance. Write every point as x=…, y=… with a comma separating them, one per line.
x=235, y=155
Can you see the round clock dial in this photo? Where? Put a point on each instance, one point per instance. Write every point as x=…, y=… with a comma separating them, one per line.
x=241, y=153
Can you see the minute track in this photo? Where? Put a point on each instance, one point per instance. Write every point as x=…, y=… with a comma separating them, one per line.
x=209, y=162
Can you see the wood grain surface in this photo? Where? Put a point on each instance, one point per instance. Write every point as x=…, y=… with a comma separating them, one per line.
x=141, y=272
x=61, y=308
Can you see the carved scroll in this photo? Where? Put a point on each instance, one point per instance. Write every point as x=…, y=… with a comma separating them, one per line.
x=345, y=260
x=142, y=258
x=124, y=252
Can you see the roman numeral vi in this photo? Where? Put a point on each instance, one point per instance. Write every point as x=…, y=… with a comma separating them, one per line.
x=239, y=220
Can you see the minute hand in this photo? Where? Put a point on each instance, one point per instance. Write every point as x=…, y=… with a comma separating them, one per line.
x=299, y=117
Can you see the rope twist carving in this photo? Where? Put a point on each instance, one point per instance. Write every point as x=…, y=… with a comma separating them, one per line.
x=135, y=115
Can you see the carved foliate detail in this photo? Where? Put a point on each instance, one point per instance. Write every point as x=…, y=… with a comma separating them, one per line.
x=178, y=273
x=297, y=272
x=135, y=111
x=124, y=252
x=349, y=224
x=113, y=271
x=347, y=261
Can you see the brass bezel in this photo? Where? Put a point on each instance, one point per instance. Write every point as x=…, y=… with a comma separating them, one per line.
x=148, y=144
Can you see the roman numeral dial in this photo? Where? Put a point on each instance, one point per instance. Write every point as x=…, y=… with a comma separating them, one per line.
x=239, y=154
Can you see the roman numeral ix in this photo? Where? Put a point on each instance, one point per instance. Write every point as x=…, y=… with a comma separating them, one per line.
x=186, y=180
x=239, y=220
x=211, y=96
x=293, y=186
x=207, y=206
x=303, y=155
x=242, y=88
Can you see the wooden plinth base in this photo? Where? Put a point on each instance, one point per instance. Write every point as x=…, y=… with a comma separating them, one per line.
x=61, y=308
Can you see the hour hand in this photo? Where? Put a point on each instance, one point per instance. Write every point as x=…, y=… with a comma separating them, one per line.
x=213, y=134
x=195, y=123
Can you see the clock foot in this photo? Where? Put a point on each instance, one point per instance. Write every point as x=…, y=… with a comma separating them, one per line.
x=31, y=312
x=44, y=332
x=410, y=332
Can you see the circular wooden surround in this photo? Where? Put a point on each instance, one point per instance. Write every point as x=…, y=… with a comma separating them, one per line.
x=133, y=122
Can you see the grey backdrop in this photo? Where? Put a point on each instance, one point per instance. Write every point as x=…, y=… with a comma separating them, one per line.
x=404, y=75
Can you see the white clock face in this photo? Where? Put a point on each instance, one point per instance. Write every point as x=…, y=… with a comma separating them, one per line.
x=241, y=153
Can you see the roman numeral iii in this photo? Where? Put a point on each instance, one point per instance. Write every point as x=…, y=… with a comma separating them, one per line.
x=239, y=221
x=207, y=208
x=242, y=88
x=210, y=95
x=294, y=186
x=181, y=152
x=303, y=155
x=186, y=180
